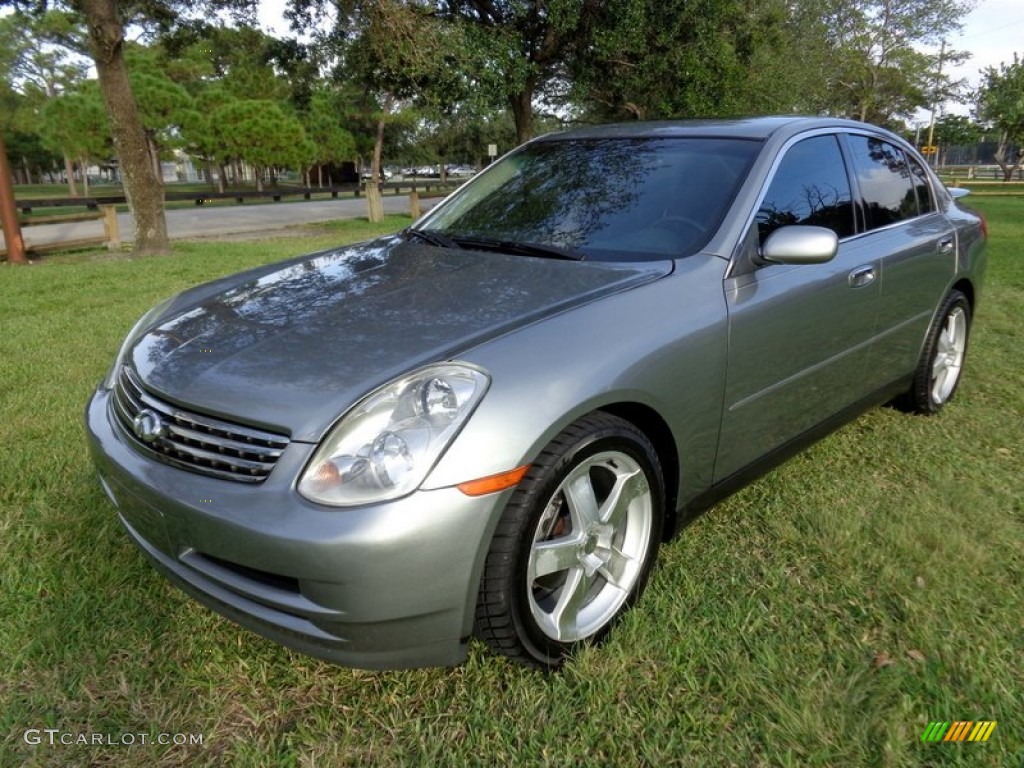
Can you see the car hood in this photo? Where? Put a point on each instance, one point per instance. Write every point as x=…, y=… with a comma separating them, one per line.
x=292, y=346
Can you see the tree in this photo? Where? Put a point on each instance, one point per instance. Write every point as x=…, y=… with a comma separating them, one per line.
x=199, y=132
x=494, y=52
x=261, y=133
x=406, y=56
x=163, y=104
x=244, y=61
x=675, y=58
x=523, y=46
x=24, y=147
x=75, y=124
x=106, y=39
x=399, y=53
x=870, y=50
x=29, y=156
x=219, y=66
x=331, y=142
x=957, y=130
x=1001, y=105
x=105, y=21
x=42, y=68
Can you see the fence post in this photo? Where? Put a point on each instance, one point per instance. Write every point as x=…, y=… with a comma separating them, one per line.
x=111, y=229
x=13, y=241
x=414, y=204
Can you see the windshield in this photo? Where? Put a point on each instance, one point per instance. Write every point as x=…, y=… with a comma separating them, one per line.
x=606, y=199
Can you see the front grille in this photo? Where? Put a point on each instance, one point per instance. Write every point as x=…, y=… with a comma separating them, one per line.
x=188, y=440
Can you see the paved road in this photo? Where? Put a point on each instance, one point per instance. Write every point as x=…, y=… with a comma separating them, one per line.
x=226, y=220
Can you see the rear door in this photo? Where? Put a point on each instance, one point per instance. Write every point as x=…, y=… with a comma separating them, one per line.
x=916, y=245
x=799, y=336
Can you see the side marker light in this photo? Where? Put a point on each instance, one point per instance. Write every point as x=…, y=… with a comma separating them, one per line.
x=494, y=483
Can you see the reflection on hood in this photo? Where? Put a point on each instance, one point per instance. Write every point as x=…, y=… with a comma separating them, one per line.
x=294, y=347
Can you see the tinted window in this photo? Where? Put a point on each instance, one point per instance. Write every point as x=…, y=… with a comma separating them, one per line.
x=809, y=187
x=925, y=200
x=885, y=181
x=612, y=199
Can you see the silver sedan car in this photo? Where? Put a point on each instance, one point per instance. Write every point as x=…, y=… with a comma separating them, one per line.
x=486, y=424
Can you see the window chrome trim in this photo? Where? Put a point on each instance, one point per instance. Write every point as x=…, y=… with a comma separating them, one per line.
x=840, y=132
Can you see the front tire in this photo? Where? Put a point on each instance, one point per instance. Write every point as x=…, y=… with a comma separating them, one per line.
x=575, y=545
x=938, y=373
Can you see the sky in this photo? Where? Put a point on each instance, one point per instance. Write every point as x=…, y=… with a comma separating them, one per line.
x=992, y=32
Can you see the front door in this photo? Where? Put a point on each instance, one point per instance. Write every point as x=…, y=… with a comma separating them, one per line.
x=800, y=337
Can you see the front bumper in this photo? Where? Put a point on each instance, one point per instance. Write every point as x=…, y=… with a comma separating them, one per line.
x=382, y=587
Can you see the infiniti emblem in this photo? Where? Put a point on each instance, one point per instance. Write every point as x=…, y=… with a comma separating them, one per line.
x=147, y=426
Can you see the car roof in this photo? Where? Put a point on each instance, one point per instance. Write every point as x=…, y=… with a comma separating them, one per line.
x=755, y=128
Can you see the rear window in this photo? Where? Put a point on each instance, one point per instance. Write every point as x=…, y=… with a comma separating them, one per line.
x=925, y=198
x=885, y=179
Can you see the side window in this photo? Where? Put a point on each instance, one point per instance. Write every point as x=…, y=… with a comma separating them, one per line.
x=925, y=200
x=810, y=186
x=884, y=176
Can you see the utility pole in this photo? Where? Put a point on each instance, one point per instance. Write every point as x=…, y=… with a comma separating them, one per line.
x=9, y=212
x=935, y=88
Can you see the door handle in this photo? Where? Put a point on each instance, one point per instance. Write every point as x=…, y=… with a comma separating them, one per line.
x=861, y=276
x=946, y=245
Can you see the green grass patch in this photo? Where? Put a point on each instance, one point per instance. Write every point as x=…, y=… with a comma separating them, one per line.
x=821, y=617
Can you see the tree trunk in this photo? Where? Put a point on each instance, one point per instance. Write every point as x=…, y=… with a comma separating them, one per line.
x=85, y=175
x=522, y=113
x=143, y=191
x=378, y=151
x=158, y=169
x=69, y=171
x=374, y=203
x=375, y=208
x=1002, y=157
x=13, y=242
x=221, y=177
x=258, y=173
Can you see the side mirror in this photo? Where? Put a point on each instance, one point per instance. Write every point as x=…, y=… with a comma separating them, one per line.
x=958, y=192
x=800, y=245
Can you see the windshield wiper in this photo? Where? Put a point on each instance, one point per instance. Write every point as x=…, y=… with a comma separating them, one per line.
x=432, y=236
x=527, y=249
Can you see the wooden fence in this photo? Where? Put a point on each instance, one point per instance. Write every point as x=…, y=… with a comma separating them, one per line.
x=103, y=207
x=277, y=194
x=106, y=213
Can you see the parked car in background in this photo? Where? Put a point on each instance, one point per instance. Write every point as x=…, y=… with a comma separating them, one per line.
x=367, y=173
x=486, y=424
x=461, y=171
x=425, y=171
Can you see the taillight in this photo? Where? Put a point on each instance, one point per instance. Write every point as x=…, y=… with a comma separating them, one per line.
x=984, y=226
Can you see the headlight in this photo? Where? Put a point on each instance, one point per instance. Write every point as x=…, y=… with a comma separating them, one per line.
x=133, y=336
x=385, y=446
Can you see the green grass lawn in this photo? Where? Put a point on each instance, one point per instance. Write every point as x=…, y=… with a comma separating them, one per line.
x=821, y=617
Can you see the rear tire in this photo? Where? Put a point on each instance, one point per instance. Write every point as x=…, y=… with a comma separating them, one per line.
x=945, y=350
x=575, y=545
